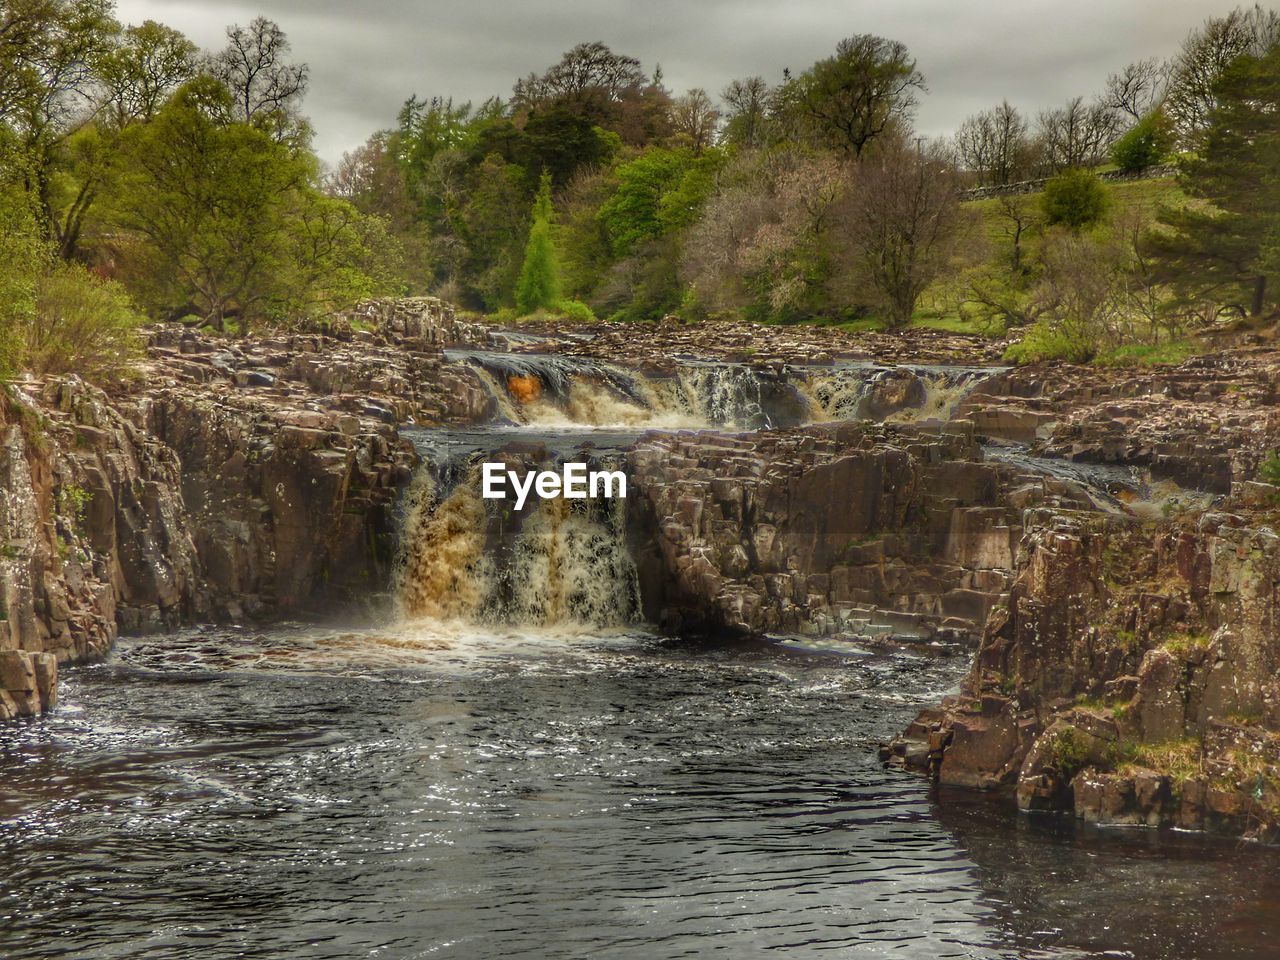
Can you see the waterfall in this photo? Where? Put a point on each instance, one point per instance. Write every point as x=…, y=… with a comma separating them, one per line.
x=558, y=561
x=890, y=394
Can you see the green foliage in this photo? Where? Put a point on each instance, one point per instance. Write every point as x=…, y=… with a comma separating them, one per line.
x=1074, y=198
x=82, y=324
x=1169, y=353
x=539, y=285
x=1223, y=249
x=658, y=192
x=21, y=257
x=1144, y=145
x=1269, y=470
x=574, y=310
x=73, y=499
x=1071, y=751
x=226, y=223
x=1044, y=341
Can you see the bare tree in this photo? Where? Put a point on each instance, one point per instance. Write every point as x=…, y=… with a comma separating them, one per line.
x=266, y=88
x=694, y=119
x=1137, y=89
x=899, y=221
x=994, y=144
x=1205, y=54
x=748, y=103
x=1077, y=135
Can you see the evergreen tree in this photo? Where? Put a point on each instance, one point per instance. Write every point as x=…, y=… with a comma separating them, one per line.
x=1225, y=249
x=539, y=285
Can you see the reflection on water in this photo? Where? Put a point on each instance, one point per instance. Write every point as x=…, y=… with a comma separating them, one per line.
x=433, y=792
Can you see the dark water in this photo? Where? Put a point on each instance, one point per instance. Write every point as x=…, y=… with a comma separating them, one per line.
x=420, y=794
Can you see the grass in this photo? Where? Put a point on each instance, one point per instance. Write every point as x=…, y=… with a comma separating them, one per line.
x=1177, y=759
x=1149, y=355
x=1182, y=644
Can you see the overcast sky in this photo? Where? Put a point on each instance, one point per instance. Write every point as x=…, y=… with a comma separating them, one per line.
x=367, y=57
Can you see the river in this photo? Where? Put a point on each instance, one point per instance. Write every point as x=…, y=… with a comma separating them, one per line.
x=454, y=792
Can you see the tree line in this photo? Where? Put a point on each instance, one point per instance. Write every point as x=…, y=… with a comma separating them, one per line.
x=142, y=177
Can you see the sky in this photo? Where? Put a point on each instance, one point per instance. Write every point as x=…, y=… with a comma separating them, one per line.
x=367, y=57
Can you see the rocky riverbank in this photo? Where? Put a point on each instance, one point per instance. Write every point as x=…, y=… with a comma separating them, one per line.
x=224, y=480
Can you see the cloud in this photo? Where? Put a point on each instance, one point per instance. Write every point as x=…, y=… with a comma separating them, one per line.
x=367, y=58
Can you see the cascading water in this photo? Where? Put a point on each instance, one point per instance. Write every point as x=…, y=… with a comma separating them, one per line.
x=890, y=394
x=557, y=561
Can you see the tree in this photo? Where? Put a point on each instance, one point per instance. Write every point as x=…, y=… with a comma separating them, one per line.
x=993, y=144
x=1074, y=198
x=1205, y=56
x=265, y=88
x=20, y=260
x=762, y=242
x=209, y=203
x=694, y=119
x=853, y=97
x=1137, y=90
x=1076, y=135
x=748, y=102
x=148, y=64
x=1225, y=249
x=539, y=285
x=1145, y=145
x=49, y=52
x=899, y=220
x=590, y=81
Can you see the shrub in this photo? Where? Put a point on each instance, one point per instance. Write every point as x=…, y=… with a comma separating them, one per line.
x=1143, y=146
x=1269, y=470
x=1045, y=341
x=1074, y=198
x=574, y=310
x=82, y=324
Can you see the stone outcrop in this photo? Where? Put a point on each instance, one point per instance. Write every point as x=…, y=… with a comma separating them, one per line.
x=851, y=528
x=1130, y=677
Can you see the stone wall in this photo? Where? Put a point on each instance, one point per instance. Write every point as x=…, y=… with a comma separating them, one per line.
x=1162, y=172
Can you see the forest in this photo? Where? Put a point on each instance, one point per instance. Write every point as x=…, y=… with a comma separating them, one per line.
x=142, y=178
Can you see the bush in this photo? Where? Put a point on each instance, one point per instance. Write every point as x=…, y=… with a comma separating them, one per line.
x=1143, y=146
x=21, y=254
x=1074, y=198
x=574, y=310
x=82, y=324
x=1044, y=341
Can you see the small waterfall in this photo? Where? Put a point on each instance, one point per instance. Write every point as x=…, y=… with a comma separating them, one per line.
x=464, y=558
x=726, y=395
x=890, y=394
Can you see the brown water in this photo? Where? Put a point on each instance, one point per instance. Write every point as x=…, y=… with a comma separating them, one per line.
x=438, y=791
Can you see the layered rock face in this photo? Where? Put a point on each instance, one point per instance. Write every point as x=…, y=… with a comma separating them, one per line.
x=1130, y=676
x=851, y=528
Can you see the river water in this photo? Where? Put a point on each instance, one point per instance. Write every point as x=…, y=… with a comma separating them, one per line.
x=418, y=791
